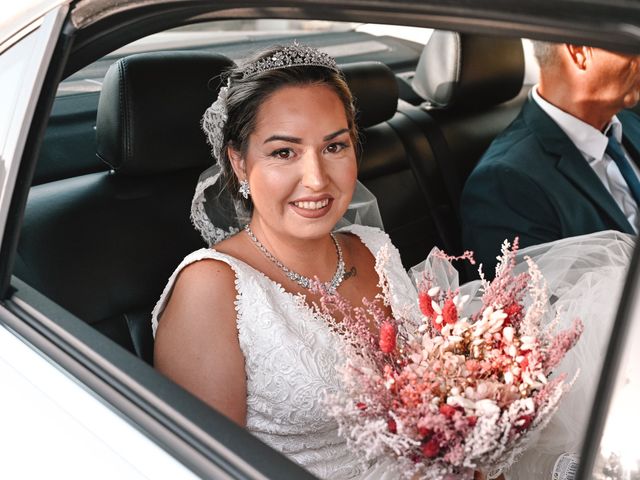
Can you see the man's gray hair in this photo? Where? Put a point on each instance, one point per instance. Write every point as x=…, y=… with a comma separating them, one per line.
x=546, y=53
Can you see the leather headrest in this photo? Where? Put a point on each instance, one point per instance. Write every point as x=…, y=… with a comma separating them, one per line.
x=150, y=108
x=469, y=69
x=375, y=90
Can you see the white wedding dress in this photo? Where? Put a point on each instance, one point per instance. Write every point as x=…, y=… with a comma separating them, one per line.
x=291, y=354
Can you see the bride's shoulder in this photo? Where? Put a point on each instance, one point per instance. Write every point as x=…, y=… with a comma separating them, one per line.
x=205, y=279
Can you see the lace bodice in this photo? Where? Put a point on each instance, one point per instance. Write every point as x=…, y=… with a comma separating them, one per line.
x=291, y=356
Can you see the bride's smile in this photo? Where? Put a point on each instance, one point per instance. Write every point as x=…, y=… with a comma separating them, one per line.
x=312, y=207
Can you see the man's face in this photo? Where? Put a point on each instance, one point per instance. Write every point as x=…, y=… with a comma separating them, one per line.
x=615, y=78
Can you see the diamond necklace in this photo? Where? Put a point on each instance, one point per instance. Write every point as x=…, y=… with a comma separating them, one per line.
x=304, y=282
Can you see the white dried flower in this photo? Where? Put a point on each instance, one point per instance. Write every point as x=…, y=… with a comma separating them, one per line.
x=433, y=291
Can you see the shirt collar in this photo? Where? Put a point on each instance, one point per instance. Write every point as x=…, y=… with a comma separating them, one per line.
x=590, y=141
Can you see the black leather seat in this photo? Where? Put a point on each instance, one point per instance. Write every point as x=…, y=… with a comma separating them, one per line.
x=473, y=89
x=388, y=163
x=102, y=245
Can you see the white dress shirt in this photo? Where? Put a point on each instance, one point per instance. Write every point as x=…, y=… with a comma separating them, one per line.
x=592, y=144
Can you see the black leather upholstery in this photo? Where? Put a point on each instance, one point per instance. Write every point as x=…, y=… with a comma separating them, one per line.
x=388, y=161
x=149, y=111
x=103, y=245
x=471, y=70
x=375, y=90
x=473, y=90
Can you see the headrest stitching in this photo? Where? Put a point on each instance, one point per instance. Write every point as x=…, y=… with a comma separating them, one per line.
x=128, y=153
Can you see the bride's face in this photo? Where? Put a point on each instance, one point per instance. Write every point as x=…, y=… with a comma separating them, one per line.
x=300, y=162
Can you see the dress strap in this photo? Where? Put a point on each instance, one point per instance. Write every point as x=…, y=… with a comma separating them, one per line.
x=202, y=254
x=403, y=292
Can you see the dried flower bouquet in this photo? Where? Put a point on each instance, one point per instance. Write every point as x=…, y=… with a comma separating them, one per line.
x=453, y=394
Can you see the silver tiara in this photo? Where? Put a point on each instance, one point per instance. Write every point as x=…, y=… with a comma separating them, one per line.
x=292, y=56
x=215, y=116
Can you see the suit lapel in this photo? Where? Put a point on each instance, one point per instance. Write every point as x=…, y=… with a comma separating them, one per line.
x=572, y=164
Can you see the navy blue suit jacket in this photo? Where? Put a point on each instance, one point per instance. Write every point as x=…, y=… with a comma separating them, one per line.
x=534, y=183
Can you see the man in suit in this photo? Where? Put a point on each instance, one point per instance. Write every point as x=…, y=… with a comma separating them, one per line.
x=566, y=166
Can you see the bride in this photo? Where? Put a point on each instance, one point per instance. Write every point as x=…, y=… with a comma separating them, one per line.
x=235, y=324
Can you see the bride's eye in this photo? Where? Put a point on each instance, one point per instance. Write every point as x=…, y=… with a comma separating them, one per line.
x=282, y=153
x=336, y=147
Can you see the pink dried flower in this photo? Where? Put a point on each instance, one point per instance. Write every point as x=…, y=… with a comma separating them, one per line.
x=466, y=255
x=562, y=343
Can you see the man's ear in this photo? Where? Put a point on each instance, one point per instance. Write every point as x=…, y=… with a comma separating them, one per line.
x=237, y=163
x=580, y=55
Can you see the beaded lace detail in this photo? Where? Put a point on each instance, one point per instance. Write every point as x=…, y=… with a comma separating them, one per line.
x=291, y=356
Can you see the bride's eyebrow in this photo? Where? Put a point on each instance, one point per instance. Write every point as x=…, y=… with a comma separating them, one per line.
x=286, y=138
x=335, y=134
x=283, y=138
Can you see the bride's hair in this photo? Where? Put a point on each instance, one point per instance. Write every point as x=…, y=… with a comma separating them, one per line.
x=248, y=90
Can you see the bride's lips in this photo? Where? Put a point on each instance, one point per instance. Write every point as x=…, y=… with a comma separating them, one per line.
x=312, y=207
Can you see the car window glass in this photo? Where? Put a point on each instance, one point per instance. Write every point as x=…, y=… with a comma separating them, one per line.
x=14, y=64
x=222, y=34
x=618, y=457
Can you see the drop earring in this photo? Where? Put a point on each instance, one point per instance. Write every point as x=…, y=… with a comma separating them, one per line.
x=244, y=189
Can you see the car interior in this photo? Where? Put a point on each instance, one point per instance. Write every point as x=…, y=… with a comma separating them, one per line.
x=117, y=169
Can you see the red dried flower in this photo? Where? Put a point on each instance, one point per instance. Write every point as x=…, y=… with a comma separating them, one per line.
x=361, y=406
x=449, y=312
x=424, y=300
x=387, y=337
x=472, y=420
x=431, y=448
x=424, y=432
x=447, y=410
x=513, y=312
x=523, y=422
x=391, y=424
